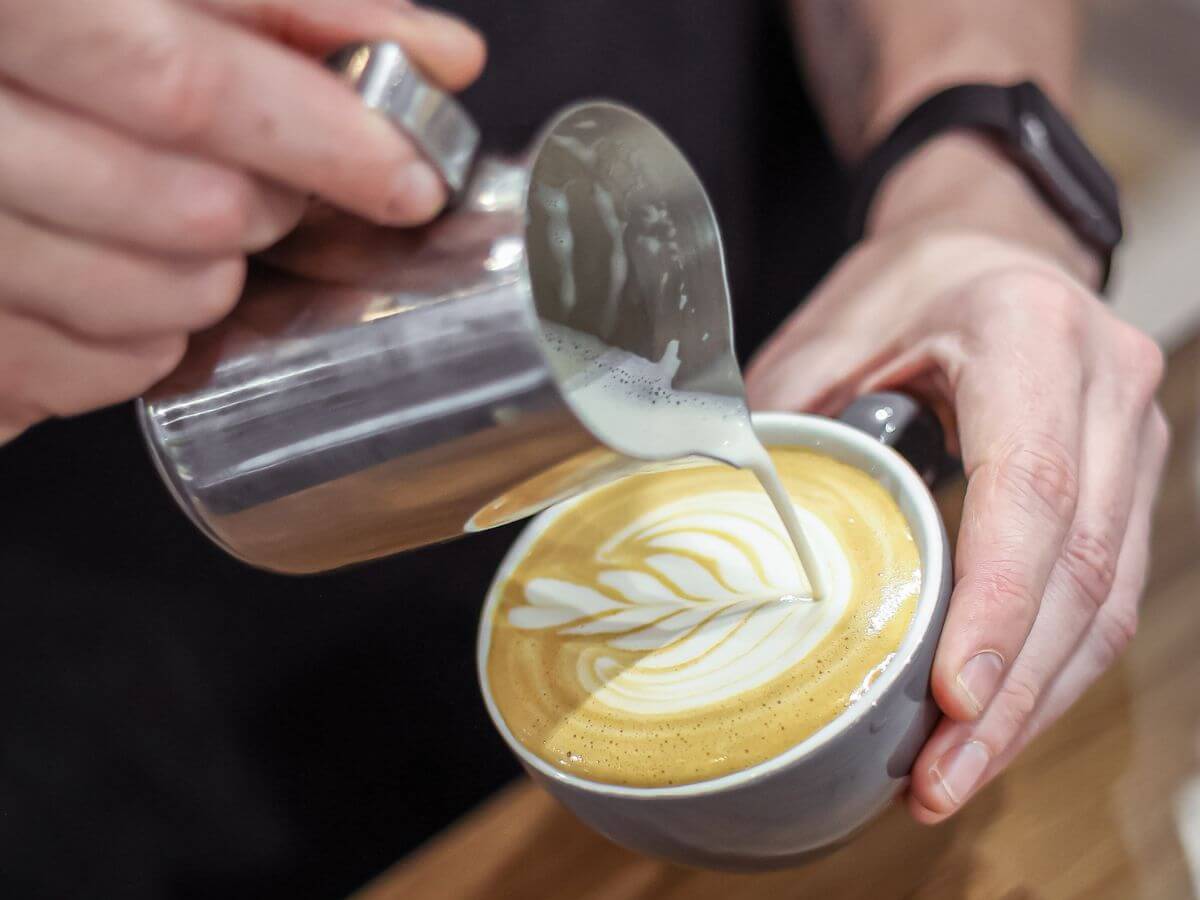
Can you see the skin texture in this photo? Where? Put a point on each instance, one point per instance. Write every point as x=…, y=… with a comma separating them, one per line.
x=149, y=145
x=969, y=292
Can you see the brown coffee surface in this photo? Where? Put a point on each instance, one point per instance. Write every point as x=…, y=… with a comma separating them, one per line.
x=654, y=633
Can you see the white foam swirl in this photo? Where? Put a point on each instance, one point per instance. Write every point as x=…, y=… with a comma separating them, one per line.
x=716, y=605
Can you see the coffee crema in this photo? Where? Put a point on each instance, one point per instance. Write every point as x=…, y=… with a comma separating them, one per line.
x=656, y=632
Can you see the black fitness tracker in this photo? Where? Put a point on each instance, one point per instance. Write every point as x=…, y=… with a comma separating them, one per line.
x=1025, y=125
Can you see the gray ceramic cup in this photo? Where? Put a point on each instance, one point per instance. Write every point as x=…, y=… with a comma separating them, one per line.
x=821, y=791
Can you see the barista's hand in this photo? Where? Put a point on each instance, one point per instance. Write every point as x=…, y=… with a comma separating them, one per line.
x=148, y=145
x=1050, y=398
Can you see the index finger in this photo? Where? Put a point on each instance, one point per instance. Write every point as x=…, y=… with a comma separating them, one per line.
x=450, y=52
x=179, y=76
x=1019, y=423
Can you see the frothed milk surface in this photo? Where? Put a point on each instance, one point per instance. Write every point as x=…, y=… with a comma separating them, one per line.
x=656, y=633
x=630, y=402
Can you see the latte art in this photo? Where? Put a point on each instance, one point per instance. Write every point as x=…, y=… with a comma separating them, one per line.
x=658, y=631
x=708, y=588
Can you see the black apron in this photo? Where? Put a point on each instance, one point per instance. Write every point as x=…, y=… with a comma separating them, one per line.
x=175, y=724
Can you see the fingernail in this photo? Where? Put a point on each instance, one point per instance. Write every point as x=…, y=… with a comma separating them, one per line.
x=417, y=194
x=959, y=770
x=980, y=678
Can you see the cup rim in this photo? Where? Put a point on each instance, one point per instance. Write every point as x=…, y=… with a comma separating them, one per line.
x=813, y=432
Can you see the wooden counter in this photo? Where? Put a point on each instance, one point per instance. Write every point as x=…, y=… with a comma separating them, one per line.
x=1090, y=810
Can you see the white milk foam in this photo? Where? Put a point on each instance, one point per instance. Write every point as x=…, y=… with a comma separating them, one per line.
x=708, y=640
x=629, y=401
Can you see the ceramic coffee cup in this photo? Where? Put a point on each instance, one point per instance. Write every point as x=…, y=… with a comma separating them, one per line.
x=825, y=788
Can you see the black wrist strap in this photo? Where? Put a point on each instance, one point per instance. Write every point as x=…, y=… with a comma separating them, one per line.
x=1032, y=134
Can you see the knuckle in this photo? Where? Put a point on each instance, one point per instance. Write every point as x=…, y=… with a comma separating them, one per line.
x=927, y=250
x=1060, y=307
x=215, y=291
x=1040, y=470
x=179, y=88
x=111, y=276
x=1090, y=561
x=128, y=284
x=1005, y=595
x=282, y=211
x=1116, y=628
x=161, y=357
x=1144, y=358
x=1016, y=701
x=216, y=213
x=1022, y=295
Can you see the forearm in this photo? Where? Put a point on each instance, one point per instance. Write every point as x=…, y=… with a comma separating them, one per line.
x=870, y=61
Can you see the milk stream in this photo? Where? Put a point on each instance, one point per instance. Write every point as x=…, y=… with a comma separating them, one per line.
x=755, y=458
x=629, y=402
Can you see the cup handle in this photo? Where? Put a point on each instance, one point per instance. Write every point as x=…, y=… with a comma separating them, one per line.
x=911, y=429
x=382, y=74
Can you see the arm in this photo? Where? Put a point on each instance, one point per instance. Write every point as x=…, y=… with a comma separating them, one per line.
x=870, y=61
x=969, y=292
x=164, y=143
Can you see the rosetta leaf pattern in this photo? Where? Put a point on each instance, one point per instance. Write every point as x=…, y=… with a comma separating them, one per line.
x=703, y=563
x=703, y=593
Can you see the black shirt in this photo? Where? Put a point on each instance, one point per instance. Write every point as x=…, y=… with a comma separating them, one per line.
x=175, y=724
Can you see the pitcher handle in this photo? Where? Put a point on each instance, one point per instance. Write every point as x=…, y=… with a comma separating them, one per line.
x=910, y=428
x=382, y=74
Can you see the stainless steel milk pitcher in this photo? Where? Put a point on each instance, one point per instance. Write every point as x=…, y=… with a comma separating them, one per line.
x=378, y=389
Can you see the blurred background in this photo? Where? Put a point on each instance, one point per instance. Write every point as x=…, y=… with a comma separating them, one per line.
x=1141, y=111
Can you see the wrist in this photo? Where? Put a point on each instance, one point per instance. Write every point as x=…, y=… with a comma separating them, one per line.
x=963, y=181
